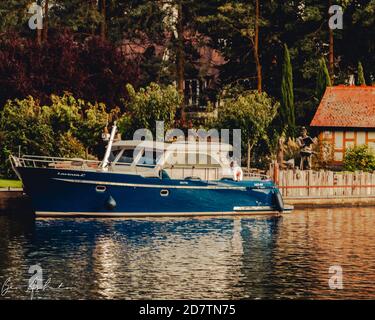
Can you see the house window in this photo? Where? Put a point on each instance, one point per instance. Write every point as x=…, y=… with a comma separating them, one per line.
x=196, y=93
x=192, y=92
x=327, y=135
x=339, y=156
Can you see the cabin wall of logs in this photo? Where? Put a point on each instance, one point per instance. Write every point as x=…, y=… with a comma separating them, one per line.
x=323, y=184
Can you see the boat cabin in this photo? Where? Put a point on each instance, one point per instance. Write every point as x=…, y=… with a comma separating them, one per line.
x=177, y=160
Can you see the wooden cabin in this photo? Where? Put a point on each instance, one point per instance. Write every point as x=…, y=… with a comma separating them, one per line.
x=346, y=118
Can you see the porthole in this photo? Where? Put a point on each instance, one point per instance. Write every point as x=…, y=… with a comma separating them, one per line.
x=101, y=188
x=164, y=193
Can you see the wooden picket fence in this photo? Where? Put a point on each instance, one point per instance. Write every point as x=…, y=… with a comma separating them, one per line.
x=324, y=184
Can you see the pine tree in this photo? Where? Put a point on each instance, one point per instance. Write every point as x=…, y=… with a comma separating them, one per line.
x=361, y=76
x=323, y=80
x=287, y=94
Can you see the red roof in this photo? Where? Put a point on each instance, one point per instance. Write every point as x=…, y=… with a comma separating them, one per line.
x=346, y=106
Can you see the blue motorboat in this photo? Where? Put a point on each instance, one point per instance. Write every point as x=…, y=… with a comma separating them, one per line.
x=146, y=178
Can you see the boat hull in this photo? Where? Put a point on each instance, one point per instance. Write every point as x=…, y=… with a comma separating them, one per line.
x=96, y=193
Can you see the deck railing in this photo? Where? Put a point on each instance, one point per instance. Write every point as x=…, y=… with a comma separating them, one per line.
x=30, y=161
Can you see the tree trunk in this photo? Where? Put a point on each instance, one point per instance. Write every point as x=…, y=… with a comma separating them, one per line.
x=256, y=46
x=45, y=22
x=249, y=147
x=331, y=51
x=103, y=24
x=39, y=36
x=180, y=60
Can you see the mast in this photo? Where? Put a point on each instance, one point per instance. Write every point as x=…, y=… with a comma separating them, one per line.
x=109, y=146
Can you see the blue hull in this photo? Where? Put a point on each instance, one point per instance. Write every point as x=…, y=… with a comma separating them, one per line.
x=81, y=193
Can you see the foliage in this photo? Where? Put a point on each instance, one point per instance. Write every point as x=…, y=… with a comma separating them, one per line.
x=10, y=183
x=75, y=60
x=14, y=15
x=93, y=70
x=323, y=80
x=250, y=111
x=76, y=15
x=324, y=155
x=361, y=75
x=359, y=158
x=64, y=128
x=287, y=95
x=148, y=105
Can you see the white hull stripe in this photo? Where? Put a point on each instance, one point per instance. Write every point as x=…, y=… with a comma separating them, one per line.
x=136, y=185
x=254, y=208
x=150, y=214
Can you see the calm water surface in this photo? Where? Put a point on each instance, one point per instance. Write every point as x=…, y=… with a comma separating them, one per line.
x=213, y=258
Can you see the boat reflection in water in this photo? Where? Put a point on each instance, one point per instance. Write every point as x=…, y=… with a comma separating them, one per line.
x=256, y=258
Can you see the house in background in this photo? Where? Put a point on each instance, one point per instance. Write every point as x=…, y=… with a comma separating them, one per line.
x=346, y=118
x=201, y=79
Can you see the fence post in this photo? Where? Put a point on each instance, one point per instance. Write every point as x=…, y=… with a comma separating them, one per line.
x=276, y=173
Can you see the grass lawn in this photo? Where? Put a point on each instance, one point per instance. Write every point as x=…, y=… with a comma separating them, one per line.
x=10, y=183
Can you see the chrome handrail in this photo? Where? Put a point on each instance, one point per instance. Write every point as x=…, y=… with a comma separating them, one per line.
x=40, y=161
x=31, y=161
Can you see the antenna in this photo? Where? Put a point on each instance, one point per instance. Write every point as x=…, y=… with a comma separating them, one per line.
x=109, y=146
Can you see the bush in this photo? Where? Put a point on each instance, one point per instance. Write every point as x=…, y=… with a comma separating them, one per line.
x=148, y=105
x=93, y=70
x=359, y=158
x=67, y=127
x=250, y=111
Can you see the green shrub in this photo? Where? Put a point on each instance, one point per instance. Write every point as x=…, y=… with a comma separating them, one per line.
x=148, y=105
x=67, y=127
x=250, y=111
x=359, y=158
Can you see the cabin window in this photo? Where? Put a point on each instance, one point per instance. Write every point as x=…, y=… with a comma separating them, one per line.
x=101, y=188
x=126, y=157
x=150, y=156
x=194, y=159
x=164, y=193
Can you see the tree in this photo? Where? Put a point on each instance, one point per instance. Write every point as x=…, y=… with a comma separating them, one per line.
x=180, y=56
x=45, y=20
x=81, y=17
x=331, y=50
x=287, y=95
x=14, y=16
x=93, y=70
x=148, y=105
x=361, y=76
x=250, y=111
x=239, y=22
x=256, y=45
x=323, y=80
x=103, y=22
x=66, y=127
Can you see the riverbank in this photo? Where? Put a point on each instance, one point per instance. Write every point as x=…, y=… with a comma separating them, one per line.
x=14, y=200
x=6, y=183
x=331, y=202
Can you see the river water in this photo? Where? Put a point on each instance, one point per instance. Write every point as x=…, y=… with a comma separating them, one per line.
x=191, y=258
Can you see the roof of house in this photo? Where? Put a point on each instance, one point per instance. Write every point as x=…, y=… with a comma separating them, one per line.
x=209, y=59
x=346, y=106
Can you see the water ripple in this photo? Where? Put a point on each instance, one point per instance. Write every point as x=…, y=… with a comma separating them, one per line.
x=195, y=258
